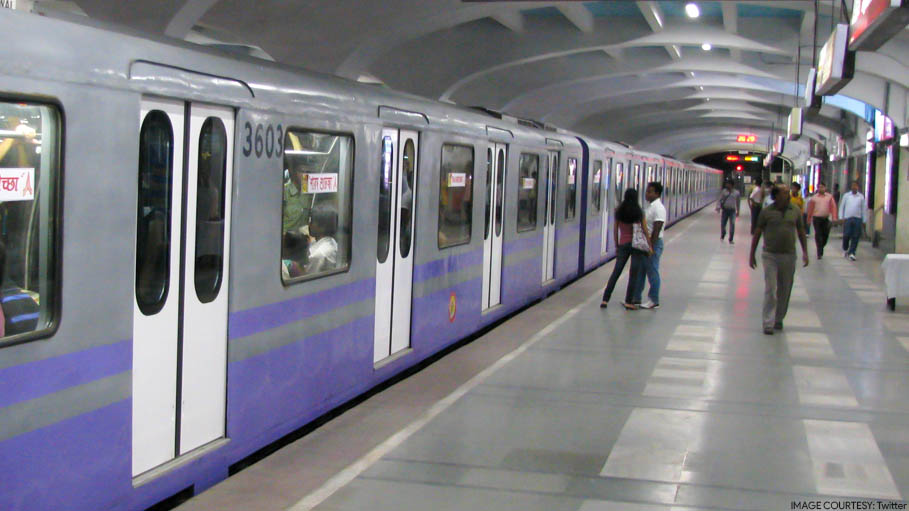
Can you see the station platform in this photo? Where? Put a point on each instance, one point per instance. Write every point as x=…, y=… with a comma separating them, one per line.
x=567, y=406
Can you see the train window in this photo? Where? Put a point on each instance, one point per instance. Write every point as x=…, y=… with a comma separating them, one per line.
x=500, y=191
x=210, y=202
x=571, y=202
x=407, y=183
x=619, y=179
x=156, y=161
x=384, y=233
x=488, y=192
x=455, y=195
x=597, y=186
x=29, y=173
x=527, y=191
x=317, y=212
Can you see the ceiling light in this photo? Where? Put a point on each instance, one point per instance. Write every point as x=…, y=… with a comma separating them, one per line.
x=706, y=47
x=692, y=10
x=700, y=87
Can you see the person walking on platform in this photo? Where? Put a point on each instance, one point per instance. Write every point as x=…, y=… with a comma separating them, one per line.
x=655, y=216
x=728, y=204
x=779, y=223
x=795, y=190
x=820, y=208
x=853, y=213
x=628, y=216
x=756, y=202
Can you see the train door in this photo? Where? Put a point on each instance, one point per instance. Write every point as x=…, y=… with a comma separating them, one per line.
x=551, y=172
x=182, y=260
x=394, y=255
x=604, y=208
x=493, y=232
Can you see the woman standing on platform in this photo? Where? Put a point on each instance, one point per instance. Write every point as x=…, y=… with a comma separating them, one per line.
x=628, y=218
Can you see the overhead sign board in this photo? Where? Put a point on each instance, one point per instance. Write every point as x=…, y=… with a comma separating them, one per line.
x=746, y=139
x=874, y=22
x=836, y=65
x=811, y=100
x=8, y=4
x=795, y=124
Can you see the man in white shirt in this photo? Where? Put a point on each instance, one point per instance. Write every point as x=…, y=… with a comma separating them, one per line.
x=655, y=215
x=854, y=213
x=756, y=202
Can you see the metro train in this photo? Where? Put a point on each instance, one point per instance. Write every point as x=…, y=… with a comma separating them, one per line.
x=204, y=253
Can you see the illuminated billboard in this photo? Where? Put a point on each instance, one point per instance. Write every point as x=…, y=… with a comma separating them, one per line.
x=795, y=124
x=874, y=22
x=835, y=65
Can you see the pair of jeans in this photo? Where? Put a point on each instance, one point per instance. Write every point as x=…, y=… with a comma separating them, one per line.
x=755, y=211
x=651, y=271
x=728, y=215
x=821, y=233
x=852, y=231
x=779, y=272
x=623, y=253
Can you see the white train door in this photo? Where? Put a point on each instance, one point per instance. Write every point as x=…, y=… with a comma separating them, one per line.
x=551, y=172
x=493, y=231
x=395, y=254
x=182, y=260
x=604, y=207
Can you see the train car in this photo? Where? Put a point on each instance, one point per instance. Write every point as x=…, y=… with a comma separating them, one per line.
x=217, y=251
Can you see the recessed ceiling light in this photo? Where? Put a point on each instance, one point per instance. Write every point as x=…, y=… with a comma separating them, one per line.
x=691, y=9
x=706, y=47
x=700, y=87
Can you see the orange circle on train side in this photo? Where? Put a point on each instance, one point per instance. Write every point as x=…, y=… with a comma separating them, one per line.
x=452, y=307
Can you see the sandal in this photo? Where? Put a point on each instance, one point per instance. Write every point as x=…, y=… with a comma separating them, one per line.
x=603, y=305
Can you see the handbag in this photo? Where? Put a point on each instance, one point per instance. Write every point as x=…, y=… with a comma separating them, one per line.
x=638, y=240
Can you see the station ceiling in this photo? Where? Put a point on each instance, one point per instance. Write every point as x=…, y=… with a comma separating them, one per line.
x=630, y=71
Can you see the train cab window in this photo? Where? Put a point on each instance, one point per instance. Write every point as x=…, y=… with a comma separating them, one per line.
x=316, y=212
x=455, y=195
x=596, y=189
x=29, y=175
x=571, y=202
x=527, y=191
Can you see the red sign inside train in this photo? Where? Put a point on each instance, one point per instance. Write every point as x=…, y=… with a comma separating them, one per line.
x=746, y=139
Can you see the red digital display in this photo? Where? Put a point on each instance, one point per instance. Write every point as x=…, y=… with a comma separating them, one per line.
x=732, y=157
x=746, y=139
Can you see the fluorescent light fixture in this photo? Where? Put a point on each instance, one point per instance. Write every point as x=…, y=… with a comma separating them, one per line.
x=691, y=9
x=701, y=87
x=706, y=47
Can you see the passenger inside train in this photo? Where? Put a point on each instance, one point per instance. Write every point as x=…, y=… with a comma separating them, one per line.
x=25, y=271
x=316, y=219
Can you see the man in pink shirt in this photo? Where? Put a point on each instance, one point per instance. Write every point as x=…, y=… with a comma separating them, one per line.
x=820, y=208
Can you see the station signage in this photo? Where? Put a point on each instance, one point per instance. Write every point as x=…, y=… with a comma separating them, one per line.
x=874, y=22
x=320, y=183
x=836, y=65
x=457, y=180
x=795, y=124
x=8, y=4
x=17, y=184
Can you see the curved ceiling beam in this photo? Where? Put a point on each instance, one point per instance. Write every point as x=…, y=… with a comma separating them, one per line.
x=686, y=35
x=445, y=14
x=610, y=85
x=187, y=17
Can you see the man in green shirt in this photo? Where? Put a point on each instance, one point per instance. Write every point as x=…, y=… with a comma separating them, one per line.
x=779, y=223
x=297, y=203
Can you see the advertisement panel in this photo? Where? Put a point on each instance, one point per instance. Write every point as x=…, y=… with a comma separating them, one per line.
x=835, y=65
x=874, y=22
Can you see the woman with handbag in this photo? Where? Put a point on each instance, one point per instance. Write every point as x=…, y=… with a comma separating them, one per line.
x=632, y=240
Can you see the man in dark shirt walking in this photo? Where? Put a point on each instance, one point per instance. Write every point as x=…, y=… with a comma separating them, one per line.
x=779, y=223
x=728, y=203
